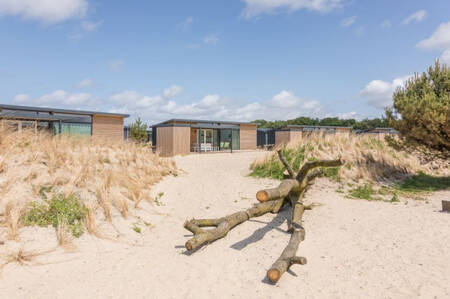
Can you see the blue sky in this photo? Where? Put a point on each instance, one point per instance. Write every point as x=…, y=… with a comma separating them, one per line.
x=235, y=59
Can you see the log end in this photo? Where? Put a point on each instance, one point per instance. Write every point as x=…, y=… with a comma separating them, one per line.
x=273, y=275
x=188, y=245
x=262, y=196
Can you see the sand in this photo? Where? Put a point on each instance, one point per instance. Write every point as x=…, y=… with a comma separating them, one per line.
x=355, y=248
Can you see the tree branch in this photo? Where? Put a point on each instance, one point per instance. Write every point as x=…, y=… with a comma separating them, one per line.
x=286, y=164
x=318, y=163
x=225, y=224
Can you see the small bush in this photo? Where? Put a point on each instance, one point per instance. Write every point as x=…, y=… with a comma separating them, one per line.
x=58, y=210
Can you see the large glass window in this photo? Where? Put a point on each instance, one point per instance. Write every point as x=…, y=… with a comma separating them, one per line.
x=228, y=137
x=72, y=129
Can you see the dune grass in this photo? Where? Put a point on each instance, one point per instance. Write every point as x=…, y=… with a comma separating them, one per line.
x=367, y=159
x=375, y=170
x=72, y=183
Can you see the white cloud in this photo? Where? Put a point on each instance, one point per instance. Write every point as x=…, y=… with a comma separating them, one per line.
x=285, y=99
x=116, y=65
x=284, y=105
x=379, y=92
x=418, y=16
x=84, y=83
x=386, y=24
x=57, y=98
x=211, y=39
x=163, y=106
x=186, y=24
x=255, y=8
x=440, y=39
x=172, y=91
x=46, y=11
x=350, y=115
x=347, y=22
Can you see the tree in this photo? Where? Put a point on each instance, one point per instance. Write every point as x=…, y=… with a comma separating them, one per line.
x=138, y=131
x=421, y=111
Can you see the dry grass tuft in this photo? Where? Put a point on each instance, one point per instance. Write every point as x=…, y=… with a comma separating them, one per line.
x=367, y=158
x=103, y=174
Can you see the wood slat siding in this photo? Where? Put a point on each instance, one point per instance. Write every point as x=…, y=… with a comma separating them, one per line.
x=172, y=141
x=282, y=137
x=107, y=126
x=295, y=135
x=247, y=137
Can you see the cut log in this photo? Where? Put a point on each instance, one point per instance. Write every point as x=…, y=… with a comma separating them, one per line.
x=288, y=256
x=279, y=192
x=223, y=225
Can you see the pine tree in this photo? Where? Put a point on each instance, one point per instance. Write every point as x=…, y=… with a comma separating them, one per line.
x=138, y=131
x=421, y=111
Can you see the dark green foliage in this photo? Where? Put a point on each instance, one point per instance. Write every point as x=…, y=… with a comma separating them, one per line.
x=366, y=124
x=421, y=111
x=59, y=209
x=138, y=131
x=424, y=183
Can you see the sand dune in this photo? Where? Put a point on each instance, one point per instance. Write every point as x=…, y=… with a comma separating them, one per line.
x=355, y=249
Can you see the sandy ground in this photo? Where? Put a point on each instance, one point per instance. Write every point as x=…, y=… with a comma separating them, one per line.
x=355, y=248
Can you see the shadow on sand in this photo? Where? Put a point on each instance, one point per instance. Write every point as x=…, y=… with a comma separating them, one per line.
x=259, y=234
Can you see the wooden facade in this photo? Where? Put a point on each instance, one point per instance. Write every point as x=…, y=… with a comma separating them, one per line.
x=248, y=136
x=181, y=136
x=107, y=126
x=289, y=133
x=172, y=141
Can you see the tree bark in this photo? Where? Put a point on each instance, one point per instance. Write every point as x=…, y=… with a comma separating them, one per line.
x=225, y=224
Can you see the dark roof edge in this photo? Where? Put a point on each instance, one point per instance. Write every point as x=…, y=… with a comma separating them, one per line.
x=203, y=121
x=57, y=110
x=314, y=126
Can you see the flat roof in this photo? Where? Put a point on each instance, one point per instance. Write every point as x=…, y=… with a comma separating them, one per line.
x=314, y=126
x=56, y=110
x=204, y=122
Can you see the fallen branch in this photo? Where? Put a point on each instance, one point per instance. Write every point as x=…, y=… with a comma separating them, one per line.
x=290, y=191
x=223, y=225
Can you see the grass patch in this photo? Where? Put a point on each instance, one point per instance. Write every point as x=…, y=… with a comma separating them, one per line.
x=424, y=183
x=365, y=191
x=136, y=228
x=55, y=211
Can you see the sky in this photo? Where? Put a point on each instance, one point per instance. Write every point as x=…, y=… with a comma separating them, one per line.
x=221, y=60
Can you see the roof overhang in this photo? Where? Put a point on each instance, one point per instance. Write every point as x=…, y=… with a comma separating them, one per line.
x=57, y=110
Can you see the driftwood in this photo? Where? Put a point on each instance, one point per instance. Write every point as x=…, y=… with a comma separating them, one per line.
x=290, y=191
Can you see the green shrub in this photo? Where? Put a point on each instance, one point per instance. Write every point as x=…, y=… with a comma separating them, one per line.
x=59, y=209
